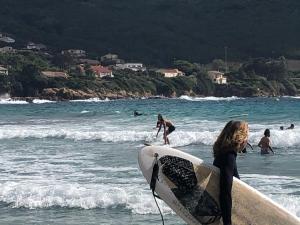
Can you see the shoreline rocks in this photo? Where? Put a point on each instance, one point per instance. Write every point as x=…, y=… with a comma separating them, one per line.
x=66, y=94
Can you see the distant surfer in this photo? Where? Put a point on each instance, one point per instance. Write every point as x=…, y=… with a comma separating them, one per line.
x=290, y=127
x=265, y=143
x=232, y=140
x=167, y=125
x=136, y=113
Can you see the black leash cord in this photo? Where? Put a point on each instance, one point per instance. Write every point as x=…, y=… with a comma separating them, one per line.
x=154, y=178
x=161, y=215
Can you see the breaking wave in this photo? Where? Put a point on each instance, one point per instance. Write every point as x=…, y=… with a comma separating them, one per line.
x=286, y=138
x=210, y=98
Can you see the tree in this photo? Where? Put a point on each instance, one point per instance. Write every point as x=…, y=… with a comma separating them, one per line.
x=218, y=64
x=272, y=69
x=63, y=61
x=186, y=67
x=4, y=84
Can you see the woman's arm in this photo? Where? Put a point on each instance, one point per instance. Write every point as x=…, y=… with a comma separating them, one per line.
x=158, y=128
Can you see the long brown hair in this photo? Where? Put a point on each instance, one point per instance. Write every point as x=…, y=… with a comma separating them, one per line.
x=232, y=138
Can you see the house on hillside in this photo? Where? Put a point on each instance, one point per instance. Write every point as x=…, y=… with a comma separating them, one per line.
x=76, y=53
x=131, y=66
x=109, y=56
x=217, y=77
x=54, y=74
x=7, y=49
x=101, y=71
x=7, y=39
x=3, y=70
x=170, y=72
x=111, y=59
x=33, y=46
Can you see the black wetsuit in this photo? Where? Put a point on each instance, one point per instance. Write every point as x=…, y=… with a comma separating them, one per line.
x=227, y=164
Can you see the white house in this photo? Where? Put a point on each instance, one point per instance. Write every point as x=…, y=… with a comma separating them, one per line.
x=170, y=72
x=3, y=70
x=33, y=46
x=101, y=71
x=131, y=66
x=109, y=56
x=7, y=39
x=7, y=49
x=217, y=77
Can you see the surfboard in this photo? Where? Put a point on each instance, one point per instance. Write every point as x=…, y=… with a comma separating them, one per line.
x=191, y=188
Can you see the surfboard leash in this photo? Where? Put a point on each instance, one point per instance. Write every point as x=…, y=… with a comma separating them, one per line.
x=154, y=178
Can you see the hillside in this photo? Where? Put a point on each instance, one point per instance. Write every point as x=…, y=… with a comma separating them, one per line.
x=158, y=31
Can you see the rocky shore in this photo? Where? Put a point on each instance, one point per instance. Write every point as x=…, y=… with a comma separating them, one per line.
x=66, y=94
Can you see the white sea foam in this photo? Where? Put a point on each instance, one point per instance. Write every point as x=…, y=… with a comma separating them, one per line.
x=113, y=169
x=282, y=189
x=47, y=194
x=84, y=111
x=210, y=98
x=21, y=102
x=91, y=100
x=42, y=101
x=295, y=97
x=135, y=197
x=12, y=102
x=280, y=139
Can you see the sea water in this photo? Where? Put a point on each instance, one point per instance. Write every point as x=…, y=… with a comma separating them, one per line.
x=76, y=162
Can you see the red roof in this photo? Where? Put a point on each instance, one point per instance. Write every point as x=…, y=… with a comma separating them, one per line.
x=100, y=69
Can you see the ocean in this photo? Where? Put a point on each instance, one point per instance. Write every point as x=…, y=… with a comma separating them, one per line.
x=76, y=162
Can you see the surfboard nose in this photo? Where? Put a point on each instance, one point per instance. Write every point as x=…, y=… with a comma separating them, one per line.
x=145, y=160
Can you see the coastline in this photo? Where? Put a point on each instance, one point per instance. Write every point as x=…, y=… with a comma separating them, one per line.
x=120, y=97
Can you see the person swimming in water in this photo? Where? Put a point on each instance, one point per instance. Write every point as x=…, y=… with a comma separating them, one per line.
x=136, y=113
x=291, y=127
x=167, y=125
x=265, y=143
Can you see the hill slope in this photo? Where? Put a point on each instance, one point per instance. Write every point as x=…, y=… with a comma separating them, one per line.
x=158, y=31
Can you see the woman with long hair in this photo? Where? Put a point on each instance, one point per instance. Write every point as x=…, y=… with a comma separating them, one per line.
x=231, y=141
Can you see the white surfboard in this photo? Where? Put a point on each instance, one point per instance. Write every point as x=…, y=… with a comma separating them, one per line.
x=190, y=187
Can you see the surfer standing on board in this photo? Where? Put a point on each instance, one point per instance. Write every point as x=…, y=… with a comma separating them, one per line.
x=167, y=125
x=232, y=140
x=265, y=143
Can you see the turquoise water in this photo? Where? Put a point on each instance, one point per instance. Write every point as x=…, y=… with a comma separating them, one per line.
x=76, y=162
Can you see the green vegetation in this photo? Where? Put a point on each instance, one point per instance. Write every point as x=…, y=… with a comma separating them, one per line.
x=157, y=32
x=253, y=78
